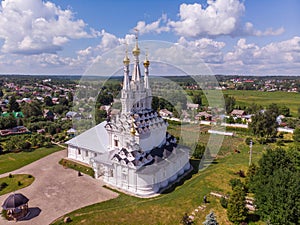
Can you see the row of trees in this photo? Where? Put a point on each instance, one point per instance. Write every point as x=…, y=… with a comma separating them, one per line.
x=275, y=183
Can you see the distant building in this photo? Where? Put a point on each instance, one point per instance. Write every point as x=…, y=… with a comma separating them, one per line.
x=237, y=113
x=165, y=113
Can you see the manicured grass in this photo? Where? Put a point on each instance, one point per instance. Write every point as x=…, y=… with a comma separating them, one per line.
x=170, y=207
x=77, y=166
x=12, y=161
x=16, y=182
x=246, y=98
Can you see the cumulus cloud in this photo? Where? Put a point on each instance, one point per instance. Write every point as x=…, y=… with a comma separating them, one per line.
x=35, y=27
x=157, y=26
x=208, y=50
x=219, y=17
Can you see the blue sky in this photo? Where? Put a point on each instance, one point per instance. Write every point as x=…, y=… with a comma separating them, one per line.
x=231, y=36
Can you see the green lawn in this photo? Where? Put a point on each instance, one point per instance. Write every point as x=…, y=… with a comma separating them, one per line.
x=16, y=182
x=246, y=98
x=12, y=161
x=169, y=208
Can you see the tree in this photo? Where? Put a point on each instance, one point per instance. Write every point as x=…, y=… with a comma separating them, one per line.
x=283, y=110
x=13, y=105
x=277, y=187
x=1, y=93
x=199, y=151
x=250, y=177
x=264, y=123
x=197, y=98
x=210, y=219
x=32, y=109
x=237, y=211
x=296, y=134
x=100, y=115
x=229, y=103
x=48, y=101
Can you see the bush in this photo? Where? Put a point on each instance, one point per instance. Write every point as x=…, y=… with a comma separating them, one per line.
x=248, y=140
x=19, y=183
x=29, y=176
x=235, y=182
x=10, y=175
x=224, y=202
x=3, y=185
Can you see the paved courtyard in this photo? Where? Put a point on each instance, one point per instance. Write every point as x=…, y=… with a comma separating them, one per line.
x=57, y=191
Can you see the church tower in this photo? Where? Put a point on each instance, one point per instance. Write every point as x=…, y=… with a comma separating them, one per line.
x=136, y=93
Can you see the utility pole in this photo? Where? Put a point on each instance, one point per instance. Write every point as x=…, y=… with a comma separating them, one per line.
x=250, y=154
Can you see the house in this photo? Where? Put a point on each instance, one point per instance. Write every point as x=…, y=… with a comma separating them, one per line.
x=203, y=116
x=165, y=113
x=73, y=115
x=237, y=113
x=192, y=106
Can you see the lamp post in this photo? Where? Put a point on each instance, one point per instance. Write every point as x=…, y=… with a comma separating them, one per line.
x=250, y=154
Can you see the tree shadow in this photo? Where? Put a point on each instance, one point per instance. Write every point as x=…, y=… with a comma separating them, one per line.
x=252, y=217
x=32, y=212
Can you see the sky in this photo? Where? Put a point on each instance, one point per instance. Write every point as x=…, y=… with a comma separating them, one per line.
x=66, y=37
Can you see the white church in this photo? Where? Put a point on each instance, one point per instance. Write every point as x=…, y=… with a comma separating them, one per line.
x=133, y=151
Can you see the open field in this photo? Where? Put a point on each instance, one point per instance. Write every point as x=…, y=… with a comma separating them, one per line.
x=246, y=98
x=13, y=161
x=168, y=208
x=13, y=182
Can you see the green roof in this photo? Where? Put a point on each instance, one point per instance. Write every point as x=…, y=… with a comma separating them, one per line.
x=16, y=114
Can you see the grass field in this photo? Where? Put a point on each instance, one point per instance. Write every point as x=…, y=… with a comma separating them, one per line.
x=168, y=208
x=16, y=182
x=246, y=98
x=12, y=161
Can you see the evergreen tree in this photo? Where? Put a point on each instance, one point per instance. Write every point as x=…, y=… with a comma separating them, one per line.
x=211, y=219
x=48, y=101
x=229, y=103
x=277, y=188
x=237, y=211
x=1, y=93
x=250, y=177
x=13, y=105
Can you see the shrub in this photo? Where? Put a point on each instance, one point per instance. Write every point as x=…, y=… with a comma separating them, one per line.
x=224, y=202
x=10, y=175
x=29, y=176
x=3, y=185
x=19, y=183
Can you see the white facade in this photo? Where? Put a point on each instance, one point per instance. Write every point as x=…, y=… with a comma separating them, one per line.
x=133, y=151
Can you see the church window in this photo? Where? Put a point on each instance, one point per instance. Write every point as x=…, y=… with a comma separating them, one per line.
x=116, y=143
x=137, y=104
x=95, y=154
x=86, y=153
x=124, y=177
x=111, y=172
x=79, y=152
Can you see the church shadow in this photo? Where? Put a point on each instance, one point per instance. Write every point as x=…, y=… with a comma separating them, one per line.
x=32, y=212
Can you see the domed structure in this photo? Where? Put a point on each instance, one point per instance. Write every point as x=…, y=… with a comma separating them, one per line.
x=16, y=206
x=133, y=151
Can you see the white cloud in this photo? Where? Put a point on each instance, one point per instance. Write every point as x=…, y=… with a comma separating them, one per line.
x=208, y=50
x=274, y=58
x=155, y=27
x=219, y=17
x=35, y=27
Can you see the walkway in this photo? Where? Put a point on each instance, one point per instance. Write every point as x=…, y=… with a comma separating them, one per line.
x=57, y=191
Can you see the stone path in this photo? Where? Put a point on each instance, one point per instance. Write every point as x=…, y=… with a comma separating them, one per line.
x=57, y=191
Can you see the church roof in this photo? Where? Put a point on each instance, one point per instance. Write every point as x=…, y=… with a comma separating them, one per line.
x=94, y=139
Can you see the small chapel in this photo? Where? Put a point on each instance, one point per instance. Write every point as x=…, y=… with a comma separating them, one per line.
x=133, y=151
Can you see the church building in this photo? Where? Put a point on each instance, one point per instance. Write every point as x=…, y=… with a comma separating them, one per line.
x=133, y=151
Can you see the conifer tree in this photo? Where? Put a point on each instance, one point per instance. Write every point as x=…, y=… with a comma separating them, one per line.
x=237, y=211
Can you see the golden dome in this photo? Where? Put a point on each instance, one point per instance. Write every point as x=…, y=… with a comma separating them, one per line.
x=126, y=60
x=132, y=130
x=136, y=51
